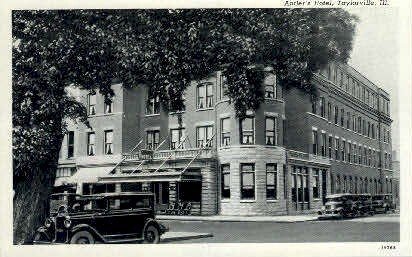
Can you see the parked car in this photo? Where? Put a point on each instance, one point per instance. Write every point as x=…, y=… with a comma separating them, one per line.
x=346, y=205
x=383, y=203
x=363, y=204
x=105, y=218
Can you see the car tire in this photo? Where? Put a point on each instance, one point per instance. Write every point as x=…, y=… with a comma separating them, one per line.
x=82, y=237
x=151, y=235
x=39, y=237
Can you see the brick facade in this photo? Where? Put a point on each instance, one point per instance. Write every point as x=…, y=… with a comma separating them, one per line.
x=292, y=111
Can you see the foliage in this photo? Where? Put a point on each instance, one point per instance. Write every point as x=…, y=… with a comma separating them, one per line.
x=165, y=49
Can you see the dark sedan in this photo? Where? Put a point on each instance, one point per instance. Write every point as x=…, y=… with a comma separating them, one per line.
x=105, y=218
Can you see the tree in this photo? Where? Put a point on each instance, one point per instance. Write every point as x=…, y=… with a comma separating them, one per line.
x=165, y=49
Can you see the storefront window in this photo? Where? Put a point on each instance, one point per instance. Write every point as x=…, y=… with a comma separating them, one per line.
x=190, y=191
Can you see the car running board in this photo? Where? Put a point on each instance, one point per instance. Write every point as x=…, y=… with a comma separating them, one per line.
x=129, y=240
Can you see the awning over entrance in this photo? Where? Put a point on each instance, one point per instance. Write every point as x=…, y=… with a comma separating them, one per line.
x=163, y=176
x=84, y=175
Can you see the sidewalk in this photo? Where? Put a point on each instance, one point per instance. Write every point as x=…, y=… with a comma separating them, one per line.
x=176, y=236
x=279, y=219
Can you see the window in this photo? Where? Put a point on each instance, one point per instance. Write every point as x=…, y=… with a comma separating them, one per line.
x=314, y=142
x=369, y=157
x=351, y=183
x=205, y=96
x=336, y=113
x=364, y=127
x=270, y=91
x=108, y=106
x=322, y=106
x=369, y=129
x=355, y=160
x=65, y=172
x=345, y=185
x=363, y=94
x=315, y=183
x=153, y=137
x=247, y=187
x=330, y=146
x=108, y=142
x=343, y=150
x=365, y=156
x=300, y=181
x=247, y=131
x=329, y=111
x=323, y=145
x=223, y=87
x=356, y=185
x=225, y=132
x=153, y=105
x=91, y=149
x=342, y=117
x=177, y=137
x=360, y=155
x=271, y=181
x=373, y=131
x=347, y=83
x=70, y=144
x=338, y=184
x=204, y=136
x=314, y=105
x=359, y=125
x=92, y=103
x=349, y=153
x=179, y=106
x=353, y=123
x=353, y=87
x=337, y=145
x=271, y=131
x=225, y=180
x=348, y=120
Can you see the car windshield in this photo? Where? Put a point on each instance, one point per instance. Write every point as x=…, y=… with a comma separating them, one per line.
x=377, y=197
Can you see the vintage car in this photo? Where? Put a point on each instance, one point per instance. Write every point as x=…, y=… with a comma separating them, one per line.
x=363, y=204
x=383, y=203
x=102, y=218
x=338, y=206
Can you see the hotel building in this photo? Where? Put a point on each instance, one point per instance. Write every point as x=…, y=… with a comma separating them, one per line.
x=283, y=158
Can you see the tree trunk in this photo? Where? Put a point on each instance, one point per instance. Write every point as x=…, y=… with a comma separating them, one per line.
x=30, y=206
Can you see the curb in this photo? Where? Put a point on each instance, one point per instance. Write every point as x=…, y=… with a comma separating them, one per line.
x=235, y=220
x=187, y=237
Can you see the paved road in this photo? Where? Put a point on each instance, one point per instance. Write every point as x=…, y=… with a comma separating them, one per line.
x=370, y=229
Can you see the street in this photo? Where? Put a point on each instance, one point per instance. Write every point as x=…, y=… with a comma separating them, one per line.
x=382, y=227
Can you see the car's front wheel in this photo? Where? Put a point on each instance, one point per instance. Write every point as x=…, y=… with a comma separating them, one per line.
x=151, y=235
x=82, y=237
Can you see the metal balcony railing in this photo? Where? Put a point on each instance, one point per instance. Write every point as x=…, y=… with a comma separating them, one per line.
x=292, y=154
x=175, y=154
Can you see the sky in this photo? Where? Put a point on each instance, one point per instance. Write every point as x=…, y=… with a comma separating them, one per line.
x=375, y=54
